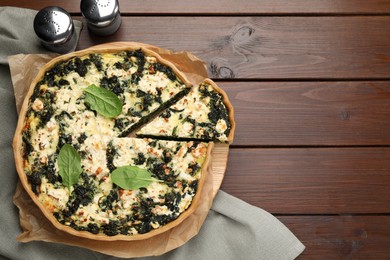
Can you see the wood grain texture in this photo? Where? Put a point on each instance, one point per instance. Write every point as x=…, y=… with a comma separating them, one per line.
x=310, y=113
x=227, y=6
x=217, y=166
x=341, y=237
x=298, y=45
x=307, y=181
x=268, y=47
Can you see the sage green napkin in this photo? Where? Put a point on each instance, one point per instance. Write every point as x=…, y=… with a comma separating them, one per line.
x=233, y=229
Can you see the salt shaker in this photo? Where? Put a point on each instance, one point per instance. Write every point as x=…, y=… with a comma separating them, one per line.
x=103, y=17
x=54, y=27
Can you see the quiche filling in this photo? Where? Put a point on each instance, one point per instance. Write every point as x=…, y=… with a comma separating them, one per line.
x=96, y=205
x=61, y=114
x=199, y=115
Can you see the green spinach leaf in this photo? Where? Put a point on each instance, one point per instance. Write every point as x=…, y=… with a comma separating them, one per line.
x=103, y=101
x=69, y=165
x=132, y=177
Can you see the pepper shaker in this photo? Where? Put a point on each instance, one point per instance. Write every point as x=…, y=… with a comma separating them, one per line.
x=102, y=16
x=54, y=27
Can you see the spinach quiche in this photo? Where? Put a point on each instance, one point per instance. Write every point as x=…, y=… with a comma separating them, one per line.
x=77, y=161
x=201, y=114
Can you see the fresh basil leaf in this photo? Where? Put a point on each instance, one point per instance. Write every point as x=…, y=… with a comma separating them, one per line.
x=103, y=101
x=132, y=177
x=69, y=165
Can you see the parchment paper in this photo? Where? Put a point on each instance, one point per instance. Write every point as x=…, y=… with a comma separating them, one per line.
x=34, y=224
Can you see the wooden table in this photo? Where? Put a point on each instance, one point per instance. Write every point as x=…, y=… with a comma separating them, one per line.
x=310, y=83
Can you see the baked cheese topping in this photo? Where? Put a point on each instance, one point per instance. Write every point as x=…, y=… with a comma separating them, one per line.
x=98, y=205
x=199, y=115
x=58, y=115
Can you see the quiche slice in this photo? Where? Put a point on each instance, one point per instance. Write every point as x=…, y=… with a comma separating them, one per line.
x=204, y=114
x=98, y=205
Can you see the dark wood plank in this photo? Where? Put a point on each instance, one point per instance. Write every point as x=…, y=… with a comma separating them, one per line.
x=269, y=47
x=306, y=181
x=228, y=6
x=310, y=113
x=341, y=237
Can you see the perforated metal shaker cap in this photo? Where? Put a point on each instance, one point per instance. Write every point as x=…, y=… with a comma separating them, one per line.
x=103, y=17
x=53, y=25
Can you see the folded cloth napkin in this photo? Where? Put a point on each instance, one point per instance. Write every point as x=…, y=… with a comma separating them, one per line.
x=233, y=229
